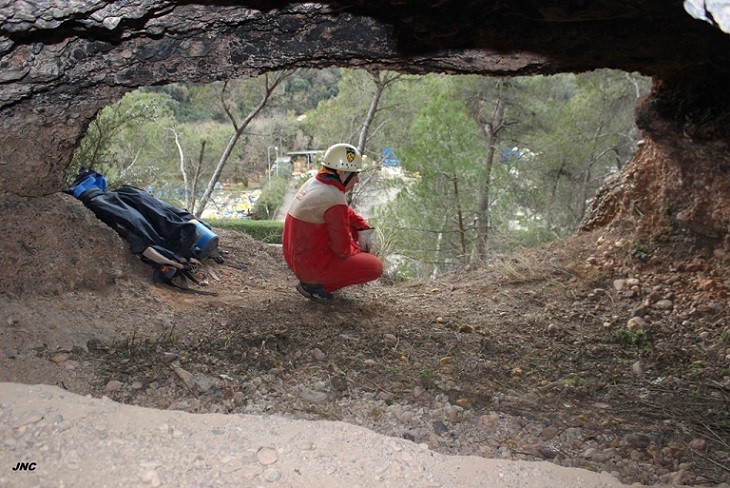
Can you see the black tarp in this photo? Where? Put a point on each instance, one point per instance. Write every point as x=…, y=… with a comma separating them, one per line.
x=143, y=220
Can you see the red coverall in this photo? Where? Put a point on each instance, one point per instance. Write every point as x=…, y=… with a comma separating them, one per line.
x=320, y=238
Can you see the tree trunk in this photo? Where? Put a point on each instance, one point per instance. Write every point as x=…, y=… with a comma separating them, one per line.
x=459, y=216
x=491, y=132
x=196, y=177
x=381, y=83
x=183, y=170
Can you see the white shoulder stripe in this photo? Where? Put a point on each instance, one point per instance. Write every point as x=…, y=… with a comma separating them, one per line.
x=313, y=200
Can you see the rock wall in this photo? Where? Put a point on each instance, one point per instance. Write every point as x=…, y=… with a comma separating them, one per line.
x=53, y=244
x=679, y=179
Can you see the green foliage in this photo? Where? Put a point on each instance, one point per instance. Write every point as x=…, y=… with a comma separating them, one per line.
x=271, y=198
x=575, y=381
x=632, y=338
x=268, y=231
x=429, y=211
x=195, y=103
x=133, y=142
x=399, y=105
x=338, y=119
x=122, y=136
x=427, y=373
x=307, y=87
x=581, y=130
x=558, y=138
x=640, y=252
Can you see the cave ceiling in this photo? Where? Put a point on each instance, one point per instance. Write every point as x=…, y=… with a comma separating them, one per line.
x=47, y=44
x=63, y=60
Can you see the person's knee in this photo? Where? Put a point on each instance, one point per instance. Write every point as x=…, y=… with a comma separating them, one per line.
x=380, y=269
x=375, y=268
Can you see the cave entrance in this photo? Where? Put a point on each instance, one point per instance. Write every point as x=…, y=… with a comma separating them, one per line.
x=536, y=149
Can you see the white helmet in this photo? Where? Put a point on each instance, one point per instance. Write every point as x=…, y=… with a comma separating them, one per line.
x=344, y=157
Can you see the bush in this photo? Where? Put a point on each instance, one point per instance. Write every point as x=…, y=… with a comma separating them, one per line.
x=268, y=231
x=271, y=199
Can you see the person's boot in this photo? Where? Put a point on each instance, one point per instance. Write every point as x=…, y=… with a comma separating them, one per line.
x=313, y=292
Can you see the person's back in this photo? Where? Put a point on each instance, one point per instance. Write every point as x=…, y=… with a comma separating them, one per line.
x=320, y=238
x=307, y=236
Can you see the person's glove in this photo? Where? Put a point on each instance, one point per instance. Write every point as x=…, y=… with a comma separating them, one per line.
x=365, y=239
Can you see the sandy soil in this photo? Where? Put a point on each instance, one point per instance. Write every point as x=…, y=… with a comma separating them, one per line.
x=79, y=441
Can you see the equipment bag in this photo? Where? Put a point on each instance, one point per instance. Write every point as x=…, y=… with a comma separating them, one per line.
x=161, y=234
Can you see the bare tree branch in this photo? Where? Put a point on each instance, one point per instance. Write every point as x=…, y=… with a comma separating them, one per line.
x=239, y=128
x=183, y=170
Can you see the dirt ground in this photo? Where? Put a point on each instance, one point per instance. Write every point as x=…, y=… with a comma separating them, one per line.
x=593, y=352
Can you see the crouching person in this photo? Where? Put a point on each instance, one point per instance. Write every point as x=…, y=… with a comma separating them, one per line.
x=326, y=242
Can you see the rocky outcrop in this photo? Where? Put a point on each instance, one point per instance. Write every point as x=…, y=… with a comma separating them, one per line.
x=61, y=61
x=679, y=179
